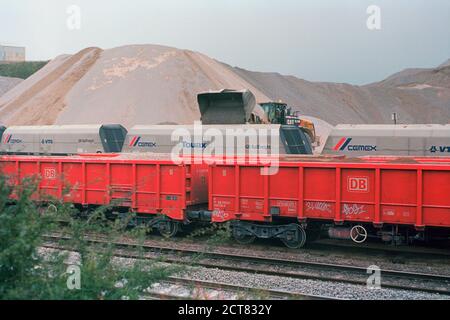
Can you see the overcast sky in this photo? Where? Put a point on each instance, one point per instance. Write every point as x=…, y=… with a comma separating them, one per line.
x=318, y=40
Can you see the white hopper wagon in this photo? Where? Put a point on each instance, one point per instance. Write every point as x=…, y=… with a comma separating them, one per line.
x=161, y=139
x=63, y=139
x=396, y=140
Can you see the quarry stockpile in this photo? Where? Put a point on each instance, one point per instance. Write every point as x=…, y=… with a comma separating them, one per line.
x=7, y=84
x=151, y=84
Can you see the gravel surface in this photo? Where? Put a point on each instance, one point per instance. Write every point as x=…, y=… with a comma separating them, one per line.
x=311, y=287
x=326, y=275
x=338, y=256
x=197, y=293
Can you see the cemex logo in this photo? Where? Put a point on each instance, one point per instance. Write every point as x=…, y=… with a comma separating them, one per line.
x=344, y=144
x=136, y=142
x=9, y=139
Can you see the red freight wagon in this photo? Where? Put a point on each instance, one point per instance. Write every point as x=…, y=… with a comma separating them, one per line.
x=357, y=197
x=147, y=184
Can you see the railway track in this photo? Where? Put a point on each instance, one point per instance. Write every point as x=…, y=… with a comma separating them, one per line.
x=393, y=279
x=382, y=249
x=200, y=284
x=347, y=246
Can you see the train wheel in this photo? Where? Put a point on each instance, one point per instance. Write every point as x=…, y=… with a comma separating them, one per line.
x=296, y=239
x=242, y=238
x=358, y=234
x=168, y=229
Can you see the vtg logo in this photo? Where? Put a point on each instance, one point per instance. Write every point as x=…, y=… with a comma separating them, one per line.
x=358, y=184
x=9, y=139
x=47, y=141
x=440, y=149
x=136, y=142
x=344, y=143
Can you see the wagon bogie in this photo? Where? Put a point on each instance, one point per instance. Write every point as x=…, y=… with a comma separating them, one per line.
x=292, y=235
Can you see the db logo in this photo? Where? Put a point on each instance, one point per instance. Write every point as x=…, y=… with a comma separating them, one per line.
x=358, y=184
x=50, y=173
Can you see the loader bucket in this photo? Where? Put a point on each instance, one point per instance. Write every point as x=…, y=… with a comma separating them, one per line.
x=226, y=106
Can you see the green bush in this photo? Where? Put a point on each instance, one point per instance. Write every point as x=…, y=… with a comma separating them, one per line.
x=21, y=70
x=29, y=272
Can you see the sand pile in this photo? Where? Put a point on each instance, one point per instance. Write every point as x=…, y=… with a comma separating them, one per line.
x=417, y=95
x=41, y=98
x=7, y=84
x=150, y=84
x=145, y=84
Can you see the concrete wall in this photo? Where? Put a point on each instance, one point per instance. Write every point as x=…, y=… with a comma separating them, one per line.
x=8, y=53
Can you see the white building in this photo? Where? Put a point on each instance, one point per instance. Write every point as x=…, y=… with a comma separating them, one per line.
x=12, y=54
